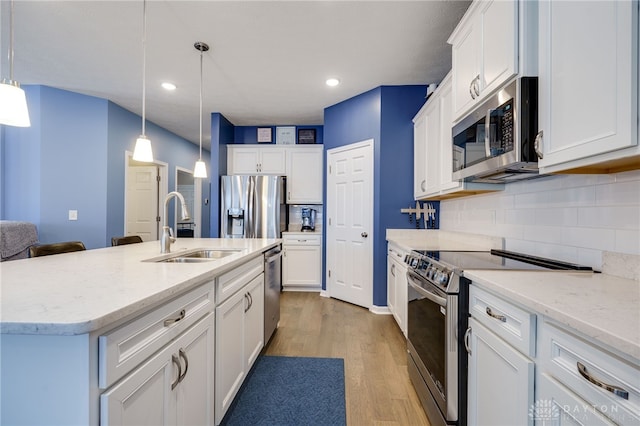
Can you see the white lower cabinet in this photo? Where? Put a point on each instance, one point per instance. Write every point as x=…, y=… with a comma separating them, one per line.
x=174, y=387
x=302, y=261
x=586, y=383
x=239, y=340
x=501, y=381
x=501, y=378
x=557, y=406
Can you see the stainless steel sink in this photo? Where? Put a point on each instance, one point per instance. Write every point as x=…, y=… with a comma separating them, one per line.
x=184, y=260
x=196, y=256
x=210, y=254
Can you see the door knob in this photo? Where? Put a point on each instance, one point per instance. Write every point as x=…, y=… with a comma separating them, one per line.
x=364, y=235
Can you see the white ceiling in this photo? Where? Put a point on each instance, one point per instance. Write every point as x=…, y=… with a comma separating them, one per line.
x=267, y=64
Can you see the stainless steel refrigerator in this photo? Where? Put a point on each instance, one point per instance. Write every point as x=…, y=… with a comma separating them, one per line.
x=253, y=206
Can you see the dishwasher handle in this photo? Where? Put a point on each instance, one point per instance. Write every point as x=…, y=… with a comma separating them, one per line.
x=273, y=258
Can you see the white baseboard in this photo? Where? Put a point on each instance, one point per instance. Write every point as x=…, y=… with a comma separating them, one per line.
x=380, y=310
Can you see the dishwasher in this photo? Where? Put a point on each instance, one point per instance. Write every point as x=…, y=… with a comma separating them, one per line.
x=272, y=288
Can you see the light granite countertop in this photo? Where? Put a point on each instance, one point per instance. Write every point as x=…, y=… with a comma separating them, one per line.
x=600, y=306
x=80, y=292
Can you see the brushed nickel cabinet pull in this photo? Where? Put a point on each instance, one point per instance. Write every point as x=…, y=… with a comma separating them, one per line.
x=246, y=296
x=613, y=389
x=170, y=321
x=176, y=361
x=467, y=334
x=183, y=355
x=496, y=316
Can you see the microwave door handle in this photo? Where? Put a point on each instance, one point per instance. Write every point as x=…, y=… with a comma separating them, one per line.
x=487, y=136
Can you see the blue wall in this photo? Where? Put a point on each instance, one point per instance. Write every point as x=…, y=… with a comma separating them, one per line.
x=73, y=157
x=383, y=114
x=249, y=134
x=222, y=134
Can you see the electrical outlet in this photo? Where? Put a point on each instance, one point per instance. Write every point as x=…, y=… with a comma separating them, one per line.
x=73, y=214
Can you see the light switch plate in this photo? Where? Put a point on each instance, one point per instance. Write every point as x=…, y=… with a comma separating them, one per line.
x=73, y=214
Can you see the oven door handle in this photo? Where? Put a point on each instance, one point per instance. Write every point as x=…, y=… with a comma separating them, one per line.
x=424, y=292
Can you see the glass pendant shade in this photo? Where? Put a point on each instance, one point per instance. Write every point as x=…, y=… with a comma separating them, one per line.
x=142, y=151
x=13, y=105
x=200, y=171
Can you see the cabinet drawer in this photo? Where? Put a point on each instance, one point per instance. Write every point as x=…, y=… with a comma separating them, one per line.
x=516, y=326
x=232, y=281
x=557, y=405
x=560, y=352
x=124, y=348
x=302, y=240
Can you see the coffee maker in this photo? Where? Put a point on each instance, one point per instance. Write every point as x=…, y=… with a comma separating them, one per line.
x=308, y=219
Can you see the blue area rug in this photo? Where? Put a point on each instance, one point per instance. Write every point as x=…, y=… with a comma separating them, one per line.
x=291, y=391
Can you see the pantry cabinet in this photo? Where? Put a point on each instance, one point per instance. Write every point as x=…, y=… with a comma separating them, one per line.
x=588, y=86
x=256, y=159
x=304, y=175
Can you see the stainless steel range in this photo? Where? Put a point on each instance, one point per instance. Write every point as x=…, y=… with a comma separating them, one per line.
x=438, y=310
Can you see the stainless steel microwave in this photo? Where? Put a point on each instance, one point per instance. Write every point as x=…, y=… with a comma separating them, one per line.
x=495, y=142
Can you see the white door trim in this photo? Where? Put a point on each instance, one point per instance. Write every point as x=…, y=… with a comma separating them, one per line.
x=163, y=188
x=196, y=214
x=369, y=144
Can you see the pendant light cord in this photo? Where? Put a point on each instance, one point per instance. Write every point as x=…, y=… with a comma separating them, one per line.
x=200, y=104
x=11, y=43
x=144, y=63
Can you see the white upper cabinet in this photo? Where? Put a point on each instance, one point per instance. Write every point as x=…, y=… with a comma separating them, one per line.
x=484, y=52
x=420, y=154
x=304, y=174
x=588, y=86
x=433, y=150
x=254, y=159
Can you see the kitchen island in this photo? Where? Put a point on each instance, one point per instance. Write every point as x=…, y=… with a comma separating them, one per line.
x=64, y=316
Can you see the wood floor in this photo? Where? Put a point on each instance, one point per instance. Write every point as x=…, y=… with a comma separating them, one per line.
x=377, y=385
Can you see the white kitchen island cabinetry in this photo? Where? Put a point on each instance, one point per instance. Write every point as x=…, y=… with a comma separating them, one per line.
x=174, y=387
x=302, y=261
x=256, y=160
x=494, y=41
x=304, y=174
x=501, y=340
x=595, y=55
x=239, y=330
x=115, y=336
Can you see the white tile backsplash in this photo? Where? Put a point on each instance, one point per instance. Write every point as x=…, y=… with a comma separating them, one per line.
x=574, y=218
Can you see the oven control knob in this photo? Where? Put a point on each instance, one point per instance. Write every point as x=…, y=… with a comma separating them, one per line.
x=444, y=278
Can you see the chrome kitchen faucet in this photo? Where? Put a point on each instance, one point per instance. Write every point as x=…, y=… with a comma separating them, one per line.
x=167, y=233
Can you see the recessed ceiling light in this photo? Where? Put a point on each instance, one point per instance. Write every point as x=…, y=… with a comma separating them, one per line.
x=168, y=86
x=332, y=82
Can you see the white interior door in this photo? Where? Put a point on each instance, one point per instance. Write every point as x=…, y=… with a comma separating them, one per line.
x=350, y=218
x=142, y=202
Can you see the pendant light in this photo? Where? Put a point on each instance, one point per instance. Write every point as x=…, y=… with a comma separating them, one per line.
x=13, y=101
x=200, y=170
x=142, y=151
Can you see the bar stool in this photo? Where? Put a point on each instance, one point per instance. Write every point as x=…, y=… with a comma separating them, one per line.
x=55, y=248
x=129, y=239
